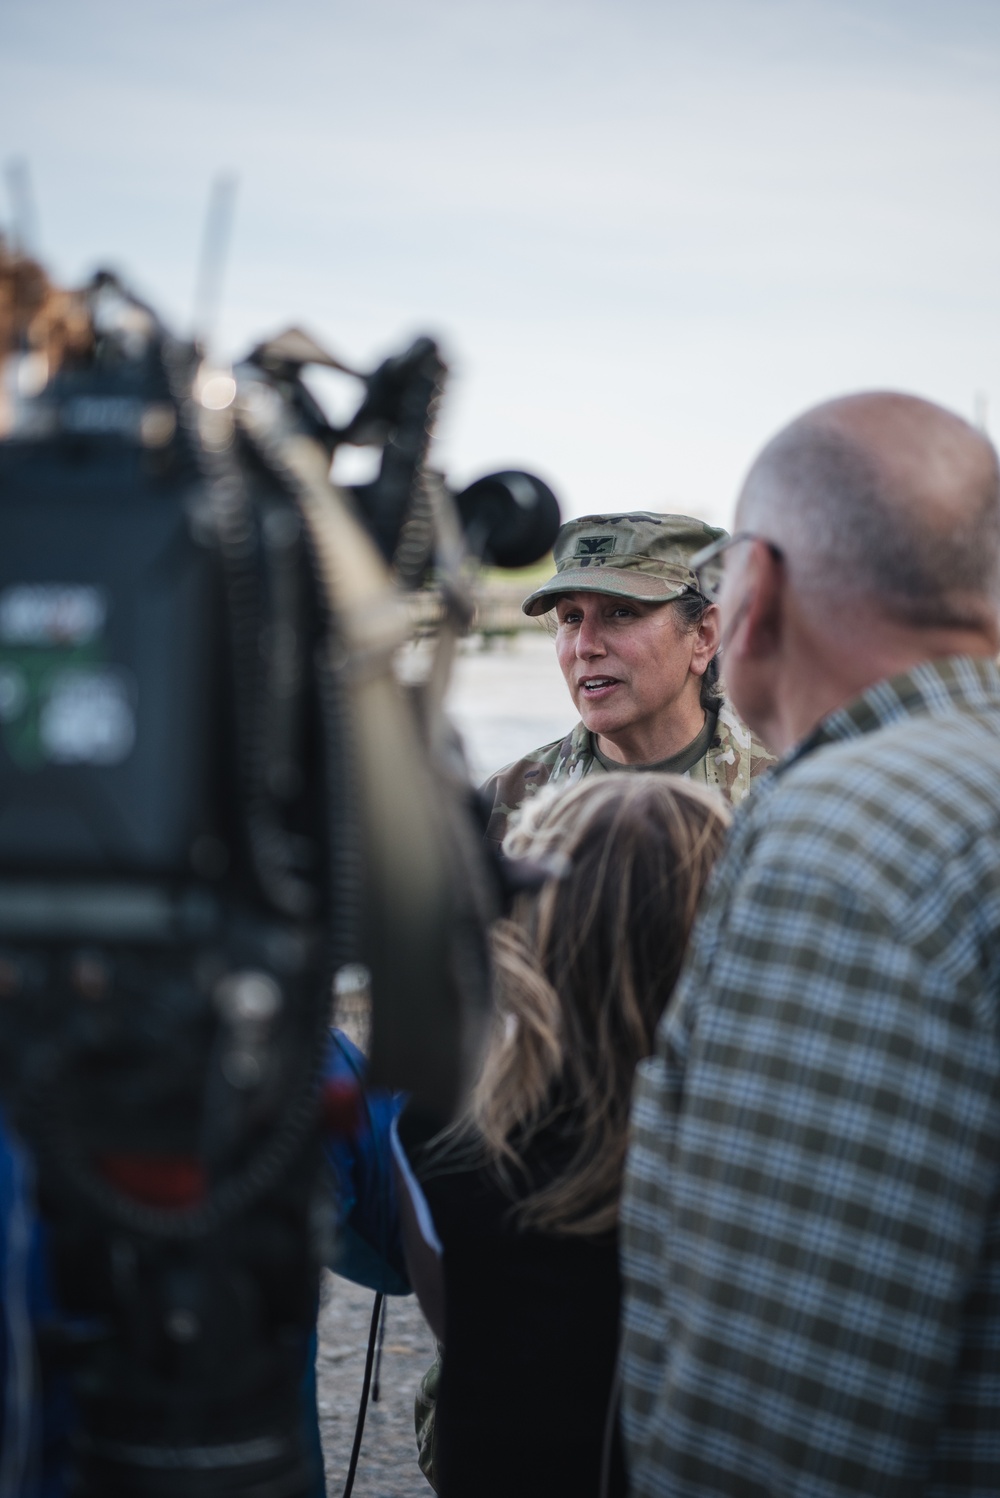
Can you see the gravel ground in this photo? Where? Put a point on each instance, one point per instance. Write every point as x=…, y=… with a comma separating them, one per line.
x=388, y=1464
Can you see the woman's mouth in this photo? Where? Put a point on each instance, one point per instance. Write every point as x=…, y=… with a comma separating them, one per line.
x=597, y=686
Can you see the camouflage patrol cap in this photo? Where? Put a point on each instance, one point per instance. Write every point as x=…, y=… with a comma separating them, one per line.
x=633, y=555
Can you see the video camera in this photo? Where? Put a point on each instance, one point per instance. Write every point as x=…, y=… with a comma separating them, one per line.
x=215, y=794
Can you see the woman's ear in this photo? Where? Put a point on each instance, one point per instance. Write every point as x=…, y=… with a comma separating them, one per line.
x=706, y=643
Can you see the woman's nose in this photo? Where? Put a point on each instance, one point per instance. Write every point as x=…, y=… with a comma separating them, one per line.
x=590, y=640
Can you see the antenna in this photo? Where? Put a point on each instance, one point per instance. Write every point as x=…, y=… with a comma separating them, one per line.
x=212, y=260
x=24, y=219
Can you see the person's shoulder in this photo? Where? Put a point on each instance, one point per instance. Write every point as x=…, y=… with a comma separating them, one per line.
x=734, y=738
x=947, y=758
x=735, y=757
x=508, y=787
x=899, y=804
x=527, y=773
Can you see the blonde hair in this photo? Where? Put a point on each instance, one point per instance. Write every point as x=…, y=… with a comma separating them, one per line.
x=584, y=969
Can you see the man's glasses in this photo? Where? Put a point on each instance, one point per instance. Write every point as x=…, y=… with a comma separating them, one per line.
x=707, y=567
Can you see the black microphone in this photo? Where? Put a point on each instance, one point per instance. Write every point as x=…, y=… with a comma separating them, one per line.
x=510, y=519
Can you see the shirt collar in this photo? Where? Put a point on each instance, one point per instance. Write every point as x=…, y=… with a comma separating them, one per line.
x=933, y=689
x=675, y=764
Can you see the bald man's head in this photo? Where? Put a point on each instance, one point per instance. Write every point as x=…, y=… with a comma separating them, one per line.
x=885, y=500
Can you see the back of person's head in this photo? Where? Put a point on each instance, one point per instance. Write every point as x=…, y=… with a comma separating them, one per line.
x=585, y=967
x=883, y=500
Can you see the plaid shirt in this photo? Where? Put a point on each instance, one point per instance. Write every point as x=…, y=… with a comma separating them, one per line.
x=811, y=1213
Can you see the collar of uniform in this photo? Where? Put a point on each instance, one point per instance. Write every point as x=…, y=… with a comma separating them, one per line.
x=934, y=689
x=573, y=751
x=674, y=764
x=581, y=745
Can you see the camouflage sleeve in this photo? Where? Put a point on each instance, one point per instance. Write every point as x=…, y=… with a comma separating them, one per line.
x=761, y=758
x=504, y=791
x=425, y=1419
x=734, y=758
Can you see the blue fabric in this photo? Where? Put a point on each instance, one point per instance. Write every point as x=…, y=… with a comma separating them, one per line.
x=310, y=1418
x=49, y=1412
x=368, y=1250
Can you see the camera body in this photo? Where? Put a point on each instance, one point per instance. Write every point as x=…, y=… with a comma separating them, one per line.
x=167, y=937
x=213, y=795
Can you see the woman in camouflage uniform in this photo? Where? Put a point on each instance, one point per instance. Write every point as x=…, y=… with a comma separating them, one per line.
x=637, y=644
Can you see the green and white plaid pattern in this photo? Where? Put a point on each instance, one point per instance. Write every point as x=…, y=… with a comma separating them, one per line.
x=811, y=1213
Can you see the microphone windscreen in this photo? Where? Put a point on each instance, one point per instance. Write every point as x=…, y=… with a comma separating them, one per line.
x=510, y=519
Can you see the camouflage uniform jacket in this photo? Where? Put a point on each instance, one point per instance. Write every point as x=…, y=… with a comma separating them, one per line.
x=733, y=760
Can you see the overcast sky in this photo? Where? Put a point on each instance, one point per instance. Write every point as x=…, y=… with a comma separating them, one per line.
x=647, y=232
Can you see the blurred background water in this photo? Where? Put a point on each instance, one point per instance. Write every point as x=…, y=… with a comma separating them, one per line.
x=507, y=698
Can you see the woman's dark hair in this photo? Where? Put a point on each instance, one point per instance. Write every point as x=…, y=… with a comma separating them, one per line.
x=691, y=609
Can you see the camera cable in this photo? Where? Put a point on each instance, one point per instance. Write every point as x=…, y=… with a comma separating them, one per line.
x=374, y=1339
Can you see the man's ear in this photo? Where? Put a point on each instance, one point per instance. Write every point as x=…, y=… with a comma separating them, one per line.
x=756, y=631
